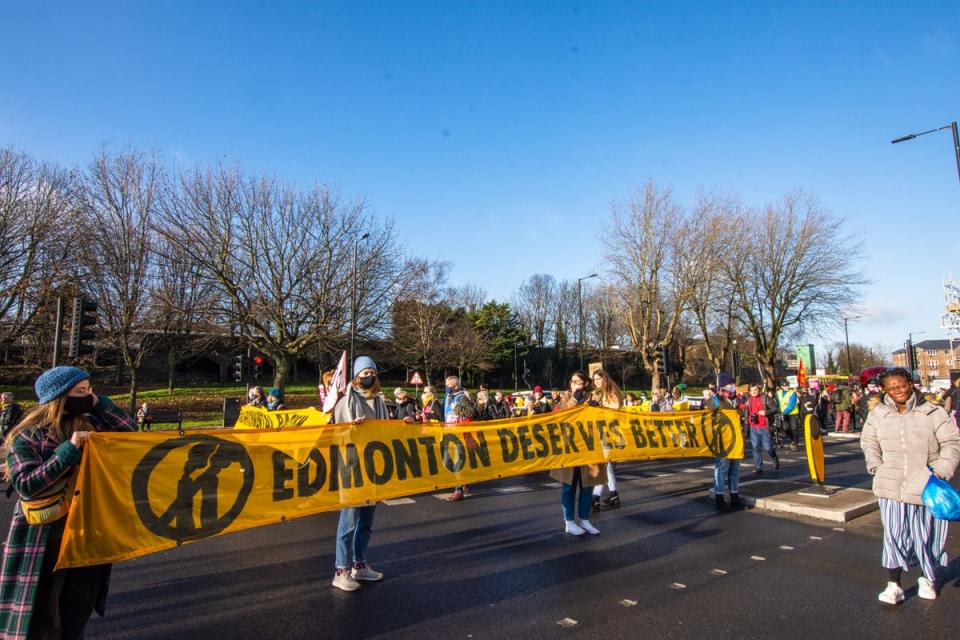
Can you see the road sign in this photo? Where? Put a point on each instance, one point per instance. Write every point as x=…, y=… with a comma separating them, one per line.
x=416, y=379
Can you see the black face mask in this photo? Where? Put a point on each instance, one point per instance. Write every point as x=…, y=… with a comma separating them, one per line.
x=78, y=405
x=368, y=382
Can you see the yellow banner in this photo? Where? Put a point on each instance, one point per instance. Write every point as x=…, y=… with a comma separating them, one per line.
x=257, y=418
x=144, y=492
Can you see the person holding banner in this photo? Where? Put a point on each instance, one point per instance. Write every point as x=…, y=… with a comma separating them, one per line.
x=583, y=477
x=432, y=409
x=904, y=438
x=362, y=401
x=45, y=450
x=607, y=394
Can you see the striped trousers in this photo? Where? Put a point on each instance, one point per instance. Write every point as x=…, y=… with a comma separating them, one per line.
x=911, y=537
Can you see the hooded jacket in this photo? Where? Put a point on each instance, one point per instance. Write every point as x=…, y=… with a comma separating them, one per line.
x=898, y=447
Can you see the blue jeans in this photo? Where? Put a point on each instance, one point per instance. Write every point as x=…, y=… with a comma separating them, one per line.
x=726, y=471
x=760, y=439
x=353, y=535
x=584, y=503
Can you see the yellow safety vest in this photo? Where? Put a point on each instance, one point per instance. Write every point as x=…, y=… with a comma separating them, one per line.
x=783, y=399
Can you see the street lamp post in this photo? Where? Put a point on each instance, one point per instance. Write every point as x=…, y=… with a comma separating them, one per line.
x=956, y=139
x=846, y=334
x=580, y=307
x=353, y=298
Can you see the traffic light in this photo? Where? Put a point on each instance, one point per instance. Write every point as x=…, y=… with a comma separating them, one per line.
x=257, y=367
x=84, y=315
x=238, y=368
x=660, y=360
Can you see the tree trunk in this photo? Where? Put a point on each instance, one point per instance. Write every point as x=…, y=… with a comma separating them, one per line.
x=132, y=406
x=283, y=364
x=171, y=370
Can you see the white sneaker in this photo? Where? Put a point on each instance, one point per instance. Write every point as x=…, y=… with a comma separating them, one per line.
x=893, y=594
x=362, y=572
x=926, y=589
x=589, y=528
x=344, y=581
x=573, y=528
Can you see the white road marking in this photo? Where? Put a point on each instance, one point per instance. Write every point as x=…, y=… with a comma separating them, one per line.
x=841, y=529
x=567, y=622
x=678, y=586
x=757, y=558
x=397, y=501
x=513, y=489
x=816, y=538
x=551, y=485
x=719, y=572
x=663, y=475
x=707, y=466
x=692, y=470
x=786, y=547
x=628, y=603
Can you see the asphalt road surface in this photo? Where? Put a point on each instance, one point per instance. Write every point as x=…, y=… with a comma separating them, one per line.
x=498, y=565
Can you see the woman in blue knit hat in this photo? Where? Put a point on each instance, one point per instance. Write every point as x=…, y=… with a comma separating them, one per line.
x=44, y=452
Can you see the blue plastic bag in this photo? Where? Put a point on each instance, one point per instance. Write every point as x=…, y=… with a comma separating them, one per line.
x=942, y=499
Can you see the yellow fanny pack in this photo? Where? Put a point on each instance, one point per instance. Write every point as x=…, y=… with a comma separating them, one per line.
x=52, y=506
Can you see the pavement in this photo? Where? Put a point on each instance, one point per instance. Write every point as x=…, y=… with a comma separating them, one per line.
x=498, y=565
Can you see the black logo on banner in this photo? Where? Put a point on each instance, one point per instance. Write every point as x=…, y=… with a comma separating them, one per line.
x=207, y=458
x=719, y=433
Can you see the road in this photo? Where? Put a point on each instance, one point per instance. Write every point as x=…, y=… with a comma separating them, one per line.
x=498, y=565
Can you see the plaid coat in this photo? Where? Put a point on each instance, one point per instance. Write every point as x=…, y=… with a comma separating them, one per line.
x=35, y=462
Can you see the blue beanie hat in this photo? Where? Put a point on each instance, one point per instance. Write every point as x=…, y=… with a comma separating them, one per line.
x=277, y=393
x=55, y=382
x=361, y=363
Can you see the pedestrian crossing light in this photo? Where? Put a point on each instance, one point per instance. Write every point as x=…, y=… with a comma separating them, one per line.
x=238, y=369
x=660, y=360
x=83, y=317
x=257, y=367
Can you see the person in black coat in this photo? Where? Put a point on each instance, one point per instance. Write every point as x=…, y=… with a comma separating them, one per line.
x=407, y=407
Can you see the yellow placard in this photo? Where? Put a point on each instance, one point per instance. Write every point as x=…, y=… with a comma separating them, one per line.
x=258, y=418
x=813, y=439
x=144, y=492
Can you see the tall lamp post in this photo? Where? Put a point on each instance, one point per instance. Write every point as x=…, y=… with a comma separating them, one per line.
x=956, y=139
x=353, y=299
x=580, y=307
x=846, y=335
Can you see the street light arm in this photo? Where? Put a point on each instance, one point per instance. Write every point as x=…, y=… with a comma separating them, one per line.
x=916, y=135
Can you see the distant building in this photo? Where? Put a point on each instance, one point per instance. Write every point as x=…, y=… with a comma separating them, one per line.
x=934, y=358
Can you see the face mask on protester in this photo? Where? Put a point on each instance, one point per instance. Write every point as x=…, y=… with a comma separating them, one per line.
x=78, y=405
x=450, y=390
x=368, y=382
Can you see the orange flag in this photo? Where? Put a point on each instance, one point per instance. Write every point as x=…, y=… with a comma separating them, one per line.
x=801, y=376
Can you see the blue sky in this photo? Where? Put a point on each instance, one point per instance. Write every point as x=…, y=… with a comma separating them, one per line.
x=497, y=134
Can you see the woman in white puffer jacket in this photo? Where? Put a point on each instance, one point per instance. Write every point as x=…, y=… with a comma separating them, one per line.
x=904, y=437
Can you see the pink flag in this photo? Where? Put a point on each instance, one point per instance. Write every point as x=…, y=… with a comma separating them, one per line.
x=338, y=385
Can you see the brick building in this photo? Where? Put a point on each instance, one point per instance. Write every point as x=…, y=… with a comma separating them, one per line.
x=934, y=358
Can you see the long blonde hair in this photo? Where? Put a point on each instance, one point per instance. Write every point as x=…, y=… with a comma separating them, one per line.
x=608, y=391
x=51, y=417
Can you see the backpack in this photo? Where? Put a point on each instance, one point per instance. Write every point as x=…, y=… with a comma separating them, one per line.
x=836, y=397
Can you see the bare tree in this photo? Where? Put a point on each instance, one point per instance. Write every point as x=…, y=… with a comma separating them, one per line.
x=468, y=297
x=422, y=317
x=534, y=302
x=603, y=323
x=792, y=269
x=712, y=304
x=37, y=216
x=648, y=245
x=121, y=197
x=282, y=260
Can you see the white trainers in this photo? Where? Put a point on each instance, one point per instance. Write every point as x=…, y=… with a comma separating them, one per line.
x=589, y=528
x=573, y=528
x=926, y=589
x=362, y=572
x=344, y=581
x=893, y=594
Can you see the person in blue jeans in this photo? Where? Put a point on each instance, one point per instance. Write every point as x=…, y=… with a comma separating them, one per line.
x=582, y=478
x=361, y=402
x=759, y=412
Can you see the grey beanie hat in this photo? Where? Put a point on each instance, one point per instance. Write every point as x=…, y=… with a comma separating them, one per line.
x=55, y=382
x=361, y=363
